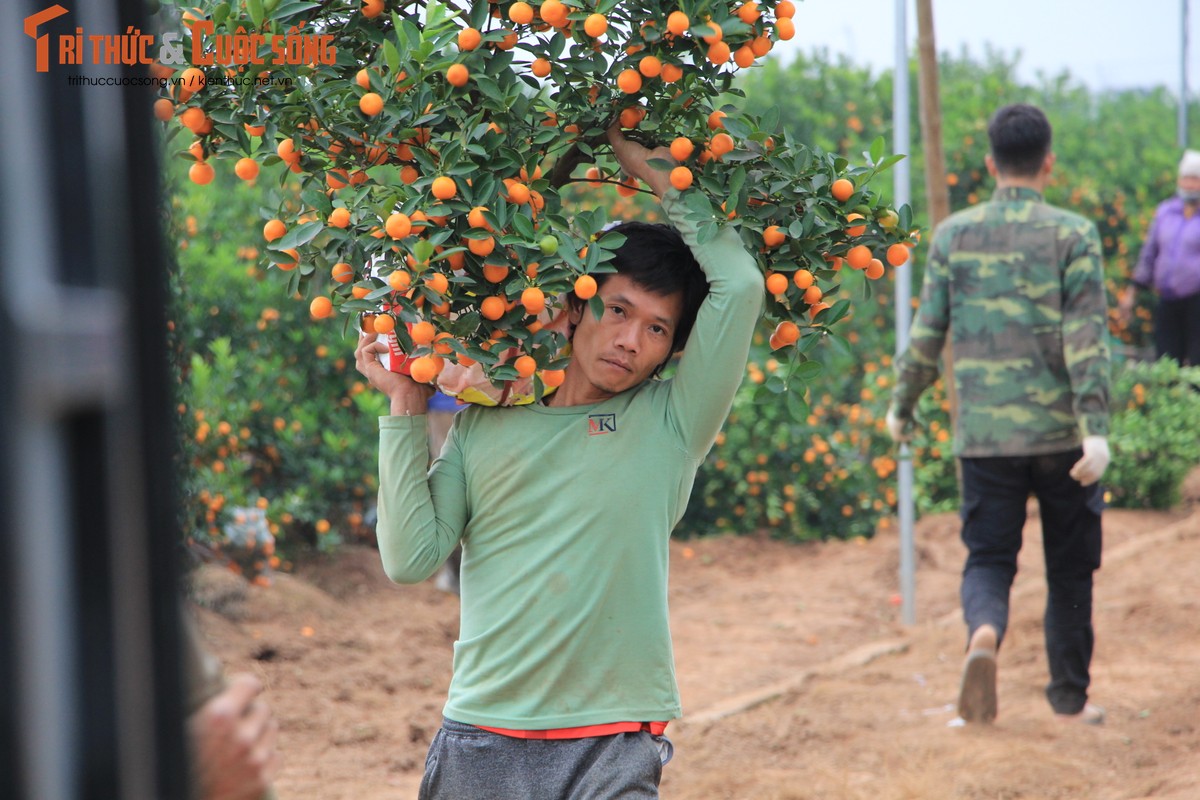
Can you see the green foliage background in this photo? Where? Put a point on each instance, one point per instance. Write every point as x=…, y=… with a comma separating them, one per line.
x=301, y=436
x=306, y=434
x=1116, y=161
x=1154, y=438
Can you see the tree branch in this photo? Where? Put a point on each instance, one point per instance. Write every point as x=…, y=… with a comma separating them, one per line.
x=560, y=175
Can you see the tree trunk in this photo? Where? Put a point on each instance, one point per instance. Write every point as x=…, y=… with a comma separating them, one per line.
x=936, y=193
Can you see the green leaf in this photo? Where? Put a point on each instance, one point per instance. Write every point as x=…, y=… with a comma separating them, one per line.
x=299, y=235
x=226, y=116
x=412, y=34
x=479, y=15
x=740, y=156
x=255, y=9
x=391, y=56
x=611, y=241
x=736, y=181
x=770, y=120
x=243, y=139
x=316, y=199
x=490, y=89
x=736, y=127
x=523, y=226
x=596, y=306
x=839, y=310
x=876, y=151
x=435, y=12
x=807, y=370
x=776, y=385
x=287, y=10
x=797, y=406
x=839, y=345
x=293, y=282
x=423, y=250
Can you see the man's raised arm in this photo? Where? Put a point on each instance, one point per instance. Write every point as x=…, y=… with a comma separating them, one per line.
x=714, y=359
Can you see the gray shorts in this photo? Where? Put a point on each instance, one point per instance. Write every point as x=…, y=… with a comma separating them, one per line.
x=468, y=763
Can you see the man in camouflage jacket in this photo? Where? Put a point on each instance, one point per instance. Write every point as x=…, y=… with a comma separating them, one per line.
x=1018, y=285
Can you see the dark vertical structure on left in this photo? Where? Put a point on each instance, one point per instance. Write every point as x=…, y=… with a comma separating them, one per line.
x=91, y=702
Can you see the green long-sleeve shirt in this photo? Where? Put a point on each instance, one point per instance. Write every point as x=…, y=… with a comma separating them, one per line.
x=1020, y=286
x=564, y=514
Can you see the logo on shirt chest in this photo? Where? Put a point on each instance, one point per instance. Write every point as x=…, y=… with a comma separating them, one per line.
x=600, y=424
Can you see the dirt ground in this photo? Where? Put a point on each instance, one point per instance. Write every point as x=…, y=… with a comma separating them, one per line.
x=798, y=678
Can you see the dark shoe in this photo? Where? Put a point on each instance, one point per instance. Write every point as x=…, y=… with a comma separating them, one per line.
x=977, y=695
x=1090, y=715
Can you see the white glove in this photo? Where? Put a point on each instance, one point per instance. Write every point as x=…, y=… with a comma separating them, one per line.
x=1088, y=469
x=899, y=429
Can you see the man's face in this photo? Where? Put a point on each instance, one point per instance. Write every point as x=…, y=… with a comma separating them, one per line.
x=625, y=346
x=1189, y=183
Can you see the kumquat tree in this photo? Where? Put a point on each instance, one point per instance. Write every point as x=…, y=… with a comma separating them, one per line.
x=433, y=142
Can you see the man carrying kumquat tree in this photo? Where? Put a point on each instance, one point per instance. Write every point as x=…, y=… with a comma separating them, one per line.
x=564, y=677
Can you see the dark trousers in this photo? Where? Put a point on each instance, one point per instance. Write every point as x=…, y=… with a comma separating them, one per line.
x=1177, y=329
x=995, y=491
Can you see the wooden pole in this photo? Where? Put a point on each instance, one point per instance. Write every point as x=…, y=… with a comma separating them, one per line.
x=936, y=193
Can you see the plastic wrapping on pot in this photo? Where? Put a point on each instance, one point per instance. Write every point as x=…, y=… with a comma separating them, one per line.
x=468, y=384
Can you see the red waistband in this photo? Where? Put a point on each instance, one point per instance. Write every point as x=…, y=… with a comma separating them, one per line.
x=607, y=729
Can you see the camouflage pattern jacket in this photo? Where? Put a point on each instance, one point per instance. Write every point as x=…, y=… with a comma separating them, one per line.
x=1019, y=284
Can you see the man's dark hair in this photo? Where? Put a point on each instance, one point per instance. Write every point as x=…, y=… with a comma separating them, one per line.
x=656, y=258
x=1020, y=136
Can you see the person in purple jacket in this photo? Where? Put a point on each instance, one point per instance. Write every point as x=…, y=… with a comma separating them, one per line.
x=1170, y=265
